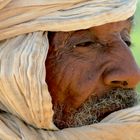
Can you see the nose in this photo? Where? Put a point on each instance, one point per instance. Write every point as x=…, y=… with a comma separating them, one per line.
x=122, y=71
x=126, y=77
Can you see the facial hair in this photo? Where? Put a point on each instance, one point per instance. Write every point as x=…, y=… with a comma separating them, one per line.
x=94, y=109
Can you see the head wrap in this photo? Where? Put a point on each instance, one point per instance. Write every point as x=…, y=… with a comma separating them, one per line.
x=19, y=17
x=23, y=90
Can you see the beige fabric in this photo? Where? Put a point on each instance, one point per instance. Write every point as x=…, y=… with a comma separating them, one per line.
x=3, y=3
x=24, y=16
x=23, y=91
x=121, y=125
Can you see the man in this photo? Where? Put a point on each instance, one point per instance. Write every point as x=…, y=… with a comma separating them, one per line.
x=73, y=76
x=93, y=73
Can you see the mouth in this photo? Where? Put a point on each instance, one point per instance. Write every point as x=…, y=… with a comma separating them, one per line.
x=94, y=109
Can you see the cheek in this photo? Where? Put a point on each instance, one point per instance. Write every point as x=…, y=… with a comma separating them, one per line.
x=74, y=67
x=74, y=77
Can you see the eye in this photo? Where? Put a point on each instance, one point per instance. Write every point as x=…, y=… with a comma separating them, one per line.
x=84, y=44
x=126, y=37
x=128, y=43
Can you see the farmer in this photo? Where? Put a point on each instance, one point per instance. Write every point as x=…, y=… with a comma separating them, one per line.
x=68, y=64
x=91, y=73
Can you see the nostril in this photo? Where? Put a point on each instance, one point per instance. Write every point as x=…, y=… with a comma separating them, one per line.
x=115, y=82
x=125, y=83
x=121, y=83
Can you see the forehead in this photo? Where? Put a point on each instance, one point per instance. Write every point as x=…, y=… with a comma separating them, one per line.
x=86, y=34
x=113, y=27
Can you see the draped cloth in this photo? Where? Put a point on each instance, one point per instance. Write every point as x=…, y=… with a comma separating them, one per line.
x=121, y=125
x=24, y=16
x=25, y=102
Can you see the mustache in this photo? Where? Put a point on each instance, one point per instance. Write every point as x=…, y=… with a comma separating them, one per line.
x=94, y=109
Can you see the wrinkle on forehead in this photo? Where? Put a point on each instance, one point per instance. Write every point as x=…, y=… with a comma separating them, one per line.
x=102, y=33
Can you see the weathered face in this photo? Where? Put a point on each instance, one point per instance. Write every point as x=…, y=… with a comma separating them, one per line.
x=91, y=73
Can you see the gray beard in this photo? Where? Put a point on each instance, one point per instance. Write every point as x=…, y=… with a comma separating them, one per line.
x=94, y=109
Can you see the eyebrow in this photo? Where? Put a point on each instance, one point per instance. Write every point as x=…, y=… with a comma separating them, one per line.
x=80, y=36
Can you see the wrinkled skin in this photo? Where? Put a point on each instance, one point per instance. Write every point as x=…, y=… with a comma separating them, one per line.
x=90, y=62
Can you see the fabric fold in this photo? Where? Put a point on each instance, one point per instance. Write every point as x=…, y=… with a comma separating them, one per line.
x=23, y=90
x=29, y=16
x=12, y=128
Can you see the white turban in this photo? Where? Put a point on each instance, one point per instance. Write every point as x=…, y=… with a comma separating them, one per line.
x=24, y=16
x=24, y=93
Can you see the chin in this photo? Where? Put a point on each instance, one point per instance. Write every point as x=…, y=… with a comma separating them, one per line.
x=94, y=109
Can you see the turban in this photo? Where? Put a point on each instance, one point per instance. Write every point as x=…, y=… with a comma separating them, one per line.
x=24, y=94
x=19, y=17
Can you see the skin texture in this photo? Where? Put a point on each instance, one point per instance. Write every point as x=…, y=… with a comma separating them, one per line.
x=90, y=62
